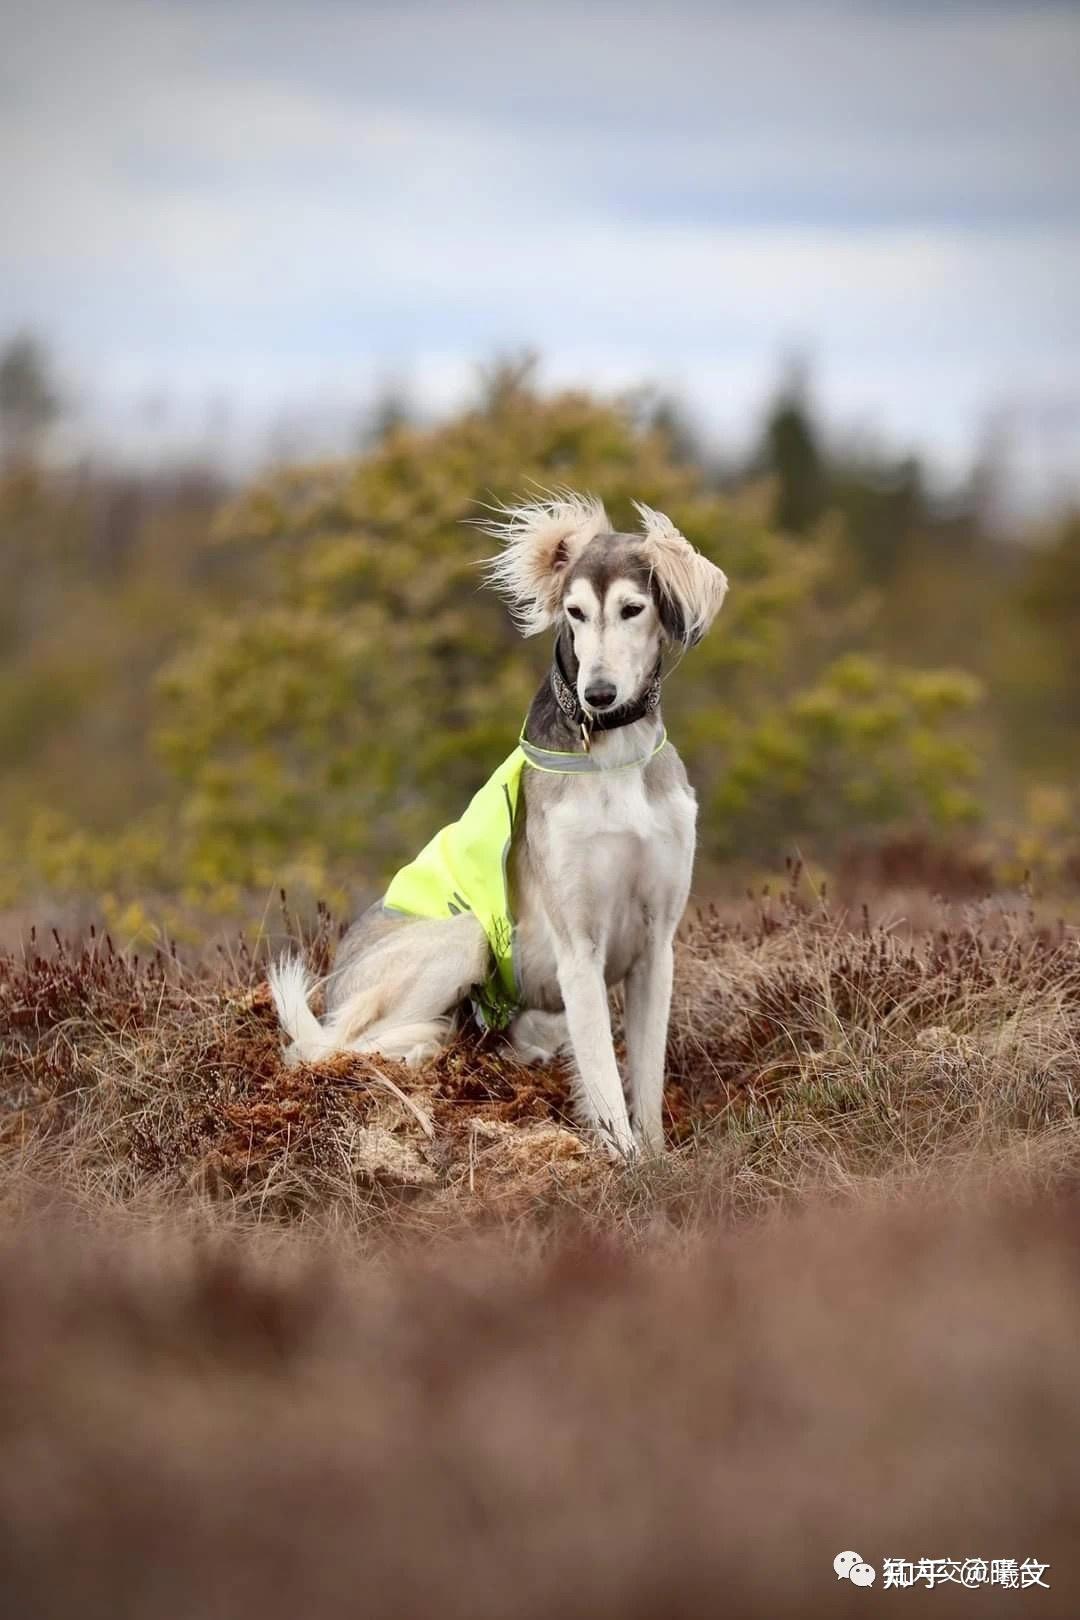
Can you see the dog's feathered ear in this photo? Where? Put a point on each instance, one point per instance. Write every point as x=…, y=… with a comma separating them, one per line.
x=541, y=542
x=690, y=589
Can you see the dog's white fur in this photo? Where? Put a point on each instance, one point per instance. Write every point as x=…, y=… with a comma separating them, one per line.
x=602, y=876
x=600, y=863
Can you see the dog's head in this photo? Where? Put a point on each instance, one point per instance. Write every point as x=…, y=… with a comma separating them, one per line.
x=617, y=598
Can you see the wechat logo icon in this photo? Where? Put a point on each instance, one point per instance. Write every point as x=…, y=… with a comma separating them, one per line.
x=849, y=1566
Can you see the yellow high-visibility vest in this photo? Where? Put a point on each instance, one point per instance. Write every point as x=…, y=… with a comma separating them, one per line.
x=464, y=868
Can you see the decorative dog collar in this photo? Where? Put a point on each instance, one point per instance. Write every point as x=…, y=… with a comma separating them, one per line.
x=587, y=722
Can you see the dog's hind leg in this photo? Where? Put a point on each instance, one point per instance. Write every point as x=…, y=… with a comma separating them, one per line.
x=415, y=976
x=539, y=1037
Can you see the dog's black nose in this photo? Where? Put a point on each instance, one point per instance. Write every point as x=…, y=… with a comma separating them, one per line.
x=600, y=696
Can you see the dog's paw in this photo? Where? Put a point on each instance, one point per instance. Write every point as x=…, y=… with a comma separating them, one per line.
x=538, y=1037
x=650, y=1144
x=421, y=1053
x=617, y=1141
x=532, y=1056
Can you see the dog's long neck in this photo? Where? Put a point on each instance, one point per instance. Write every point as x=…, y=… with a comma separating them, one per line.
x=548, y=727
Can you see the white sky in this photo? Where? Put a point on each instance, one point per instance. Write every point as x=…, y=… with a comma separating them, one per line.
x=246, y=211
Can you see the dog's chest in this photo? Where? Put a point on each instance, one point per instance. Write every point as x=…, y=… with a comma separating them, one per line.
x=607, y=814
x=609, y=840
x=616, y=863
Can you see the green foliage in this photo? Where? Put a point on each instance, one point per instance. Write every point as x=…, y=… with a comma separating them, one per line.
x=100, y=579
x=792, y=456
x=1043, y=652
x=363, y=685
x=28, y=400
x=865, y=747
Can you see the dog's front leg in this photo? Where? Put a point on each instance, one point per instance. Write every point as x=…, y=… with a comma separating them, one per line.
x=588, y=1019
x=648, y=1008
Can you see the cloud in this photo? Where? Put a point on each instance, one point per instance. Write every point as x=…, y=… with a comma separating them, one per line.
x=297, y=192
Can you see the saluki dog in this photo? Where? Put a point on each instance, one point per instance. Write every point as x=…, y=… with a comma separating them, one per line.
x=584, y=885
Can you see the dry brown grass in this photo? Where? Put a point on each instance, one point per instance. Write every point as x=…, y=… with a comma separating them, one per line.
x=810, y=1052
x=352, y=1340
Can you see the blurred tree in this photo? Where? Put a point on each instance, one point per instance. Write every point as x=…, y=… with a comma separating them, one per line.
x=392, y=409
x=881, y=497
x=509, y=378
x=1042, y=667
x=100, y=577
x=1051, y=592
x=667, y=416
x=364, y=686
x=29, y=403
x=884, y=507
x=392, y=406
x=791, y=454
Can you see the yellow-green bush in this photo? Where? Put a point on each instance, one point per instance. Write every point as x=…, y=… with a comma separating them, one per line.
x=362, y=684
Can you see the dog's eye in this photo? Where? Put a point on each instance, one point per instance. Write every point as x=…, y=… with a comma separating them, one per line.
x=576, y=613
x=632, y=609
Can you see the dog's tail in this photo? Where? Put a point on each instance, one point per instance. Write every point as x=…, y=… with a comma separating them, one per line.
x=290, y=986
x=362, y=1024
